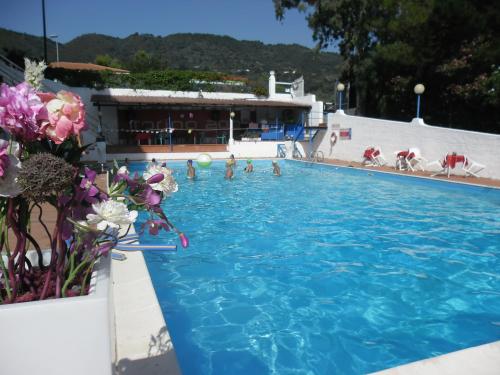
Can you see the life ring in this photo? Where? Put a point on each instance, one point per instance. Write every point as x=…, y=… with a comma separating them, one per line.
x=333, y=139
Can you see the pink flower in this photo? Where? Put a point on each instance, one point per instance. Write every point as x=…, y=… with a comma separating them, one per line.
x=184, y=240
x=4, y=157
x=66, y=115
x=21, y=112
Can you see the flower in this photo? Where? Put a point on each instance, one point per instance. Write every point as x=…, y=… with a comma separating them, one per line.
x=21, y=112
x=66, y=115
x=156, y=178
x=123, y=170
x=33, y=72
x=154, y=226
x=44, y=175
x=111, y=213
x=8, y=182
x=4, y=157
x=88, y=190
x=184, y=240
x=167, y=185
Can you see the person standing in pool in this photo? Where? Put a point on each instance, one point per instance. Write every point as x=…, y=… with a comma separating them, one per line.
x=229, y=171
x=232, y=161
x=191, y=172
x=249, y=167
x=276, y=168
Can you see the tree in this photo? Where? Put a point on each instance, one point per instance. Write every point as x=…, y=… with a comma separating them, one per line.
x=144, y=62
x=452, y=46
x=107, y=60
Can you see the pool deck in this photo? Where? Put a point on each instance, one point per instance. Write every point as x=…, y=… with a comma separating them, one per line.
x=143, y=343
x=478, y=360
x=454, y=178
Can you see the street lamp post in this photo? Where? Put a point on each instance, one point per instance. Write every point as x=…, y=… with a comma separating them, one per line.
x=231, y=117
x=54, y=37
x=419, y=90
x=340, y=89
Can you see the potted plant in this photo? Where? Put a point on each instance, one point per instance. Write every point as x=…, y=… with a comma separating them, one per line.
x=54, y=302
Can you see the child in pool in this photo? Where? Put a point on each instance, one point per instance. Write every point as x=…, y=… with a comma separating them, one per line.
x=276, y=168
x=249, y=167
x=191, y=172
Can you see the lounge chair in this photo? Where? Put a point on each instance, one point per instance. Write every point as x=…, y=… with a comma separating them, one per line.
x=415, y=160
x=448, y=163
x=373, y=157
x=473, y=168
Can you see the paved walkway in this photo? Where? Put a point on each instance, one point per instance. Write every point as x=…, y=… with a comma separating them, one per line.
x=468, y=180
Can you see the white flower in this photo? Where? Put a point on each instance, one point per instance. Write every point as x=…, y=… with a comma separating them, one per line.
x=122, y=170
x=111, y=214
x=33, y=72
x=168, y=185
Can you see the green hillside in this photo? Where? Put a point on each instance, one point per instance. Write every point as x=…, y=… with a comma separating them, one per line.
x=204, y=52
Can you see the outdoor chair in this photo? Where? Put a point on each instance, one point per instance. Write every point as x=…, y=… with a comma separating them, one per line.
x=373, y=156
x=415, y=160
x=473, y=168
x=449, y=162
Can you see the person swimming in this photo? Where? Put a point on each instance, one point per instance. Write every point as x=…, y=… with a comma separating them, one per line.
x=276, y=168
x=229, y=171
x=249, y=167
x=191, y=172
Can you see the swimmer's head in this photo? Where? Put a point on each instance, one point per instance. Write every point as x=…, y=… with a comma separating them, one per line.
x=249, y=161
x=190, y=162
x=275, y=162
x=232, y=156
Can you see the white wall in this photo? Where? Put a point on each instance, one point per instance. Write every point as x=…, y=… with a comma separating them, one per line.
x=393, y=136
x=142, y=156
x=267, y=149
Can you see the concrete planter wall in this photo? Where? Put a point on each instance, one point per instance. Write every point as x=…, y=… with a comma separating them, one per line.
x=63, y=336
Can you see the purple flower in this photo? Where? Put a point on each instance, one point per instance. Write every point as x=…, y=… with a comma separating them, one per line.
x=154, y=179
x=154, y=226
x=4, y=157
x=89, y=190
x=21, y=111
x=149, y=196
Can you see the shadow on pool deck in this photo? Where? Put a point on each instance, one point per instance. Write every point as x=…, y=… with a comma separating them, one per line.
x=161, y=359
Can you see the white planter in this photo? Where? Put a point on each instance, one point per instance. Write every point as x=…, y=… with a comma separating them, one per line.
x=61, y=336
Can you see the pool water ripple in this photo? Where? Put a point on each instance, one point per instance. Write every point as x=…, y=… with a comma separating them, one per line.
x=325, y=270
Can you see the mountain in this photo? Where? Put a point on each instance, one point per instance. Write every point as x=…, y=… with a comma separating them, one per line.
x=250, y=59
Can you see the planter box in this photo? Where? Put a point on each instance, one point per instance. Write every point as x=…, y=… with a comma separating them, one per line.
x=61, y=336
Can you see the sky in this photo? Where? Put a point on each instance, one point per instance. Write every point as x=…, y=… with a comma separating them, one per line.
x=240, y=19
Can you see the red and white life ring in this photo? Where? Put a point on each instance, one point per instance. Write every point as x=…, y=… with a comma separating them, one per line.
x=333, y=139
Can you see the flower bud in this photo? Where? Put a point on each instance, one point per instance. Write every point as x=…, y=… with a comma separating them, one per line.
x=184, y=240
x=154, y=179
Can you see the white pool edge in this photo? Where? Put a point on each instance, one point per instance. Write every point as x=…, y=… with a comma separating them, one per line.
x=477, y=360
x=143, y=342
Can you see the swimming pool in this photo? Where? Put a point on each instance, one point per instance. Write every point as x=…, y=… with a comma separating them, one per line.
x=326, y=270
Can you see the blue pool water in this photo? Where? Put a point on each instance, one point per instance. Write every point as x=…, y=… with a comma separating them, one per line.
x=326, y=270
